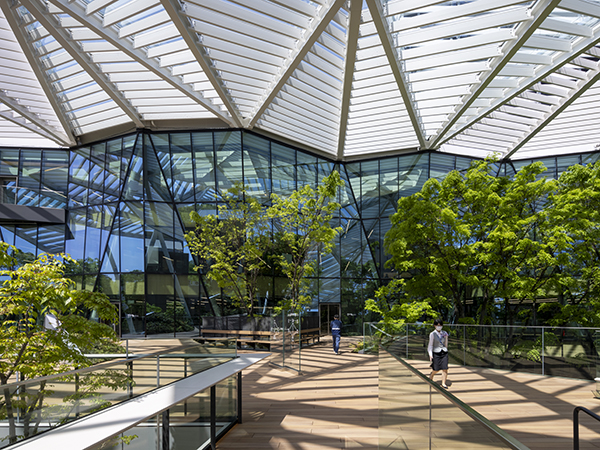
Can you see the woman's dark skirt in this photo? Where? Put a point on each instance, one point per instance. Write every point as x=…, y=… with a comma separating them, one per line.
x=440, y=361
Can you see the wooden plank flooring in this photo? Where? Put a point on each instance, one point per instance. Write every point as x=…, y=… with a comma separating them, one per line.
x=333, y=404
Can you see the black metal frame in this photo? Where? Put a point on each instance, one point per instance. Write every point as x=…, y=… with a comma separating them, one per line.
x=576, y=423
x=212, y=445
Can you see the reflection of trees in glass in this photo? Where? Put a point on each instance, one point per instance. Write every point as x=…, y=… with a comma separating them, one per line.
x=45, y=331
x=173, y=319
x=81, y=266
x=355, y=287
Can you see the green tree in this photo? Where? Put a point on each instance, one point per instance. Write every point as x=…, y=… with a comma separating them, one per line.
x=575, y=208
x=303, y=224
x=397, y=308
x=232, y=244
x=476, y=236
x=31, y=294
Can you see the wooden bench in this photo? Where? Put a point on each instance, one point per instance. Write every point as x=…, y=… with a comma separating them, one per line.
x=309, y=336
x=260, y=339
x=253, y=339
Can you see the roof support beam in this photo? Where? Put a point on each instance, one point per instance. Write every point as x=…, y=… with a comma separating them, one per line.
x=593, y=77
x=581, y=47
x=77, y=11
x=59, y=137
x=539, y=12
x=399, y=75
x=351, y=46
x=23, y=121
x=173, y=8
x=64, y=39
x=303, y=47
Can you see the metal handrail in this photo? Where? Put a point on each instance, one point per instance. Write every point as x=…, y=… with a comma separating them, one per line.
x=380, y=330
x=123, y=358
x=576, y=423
x=491, y=427
x=539, y=327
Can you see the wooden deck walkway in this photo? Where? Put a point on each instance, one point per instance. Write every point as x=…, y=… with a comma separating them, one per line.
x=333, y=405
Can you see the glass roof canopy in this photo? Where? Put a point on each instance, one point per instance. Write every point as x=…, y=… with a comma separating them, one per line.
x=348, y=78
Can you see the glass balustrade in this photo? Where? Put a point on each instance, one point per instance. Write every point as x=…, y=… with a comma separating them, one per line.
x=415, y=413
x=33, y=406
x=557, y=351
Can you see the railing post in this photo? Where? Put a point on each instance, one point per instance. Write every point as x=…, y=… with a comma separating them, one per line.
x=364, y=340
x=300, y=341
x=77, y=412
x=239, y=397
x=430, y=414
x=165, y=430
x=464, y=345
x=576, y=423
x=407, y=341
x=576, y=428
x=130, y=379
x=157, y=370
x=543, y=350
x=213, y=417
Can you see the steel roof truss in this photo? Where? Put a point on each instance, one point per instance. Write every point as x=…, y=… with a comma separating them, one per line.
x=303, y=46
x=539, y=13
x=73, y=49
x=191, y=39
x=399, y=75
x=593, y=77
x=58, y=136
x=125, y=45
x=574, y=57
x=26, y=123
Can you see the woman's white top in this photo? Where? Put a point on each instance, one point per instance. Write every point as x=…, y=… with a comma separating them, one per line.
x=438, y=341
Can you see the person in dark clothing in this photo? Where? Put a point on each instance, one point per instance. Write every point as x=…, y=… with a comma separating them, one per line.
x=336, y=333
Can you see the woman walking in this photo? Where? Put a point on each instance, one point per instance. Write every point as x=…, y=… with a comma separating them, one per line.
x=438, y=351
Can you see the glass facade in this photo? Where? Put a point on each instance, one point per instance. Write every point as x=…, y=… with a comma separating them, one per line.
x=128, y=202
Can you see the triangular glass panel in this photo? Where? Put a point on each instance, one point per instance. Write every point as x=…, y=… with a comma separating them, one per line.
x=155, y=184
x=134, y=175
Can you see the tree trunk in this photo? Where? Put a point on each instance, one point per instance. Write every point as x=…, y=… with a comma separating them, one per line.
x=12, y=428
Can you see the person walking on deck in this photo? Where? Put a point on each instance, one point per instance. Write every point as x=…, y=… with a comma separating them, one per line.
x=336, y=333
x=438, y=351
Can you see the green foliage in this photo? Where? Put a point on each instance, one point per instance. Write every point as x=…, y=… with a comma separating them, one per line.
x=396, y=306
x=364, y=347
x=236, y=246
x=231, y=245
x=115, y=442
x=490, y=239
x=476, y=235
x=576, y=212
x=303, y=221
x=31, y=293
x=533, y=350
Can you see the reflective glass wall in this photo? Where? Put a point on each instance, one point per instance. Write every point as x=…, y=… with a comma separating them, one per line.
x=128, y=201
